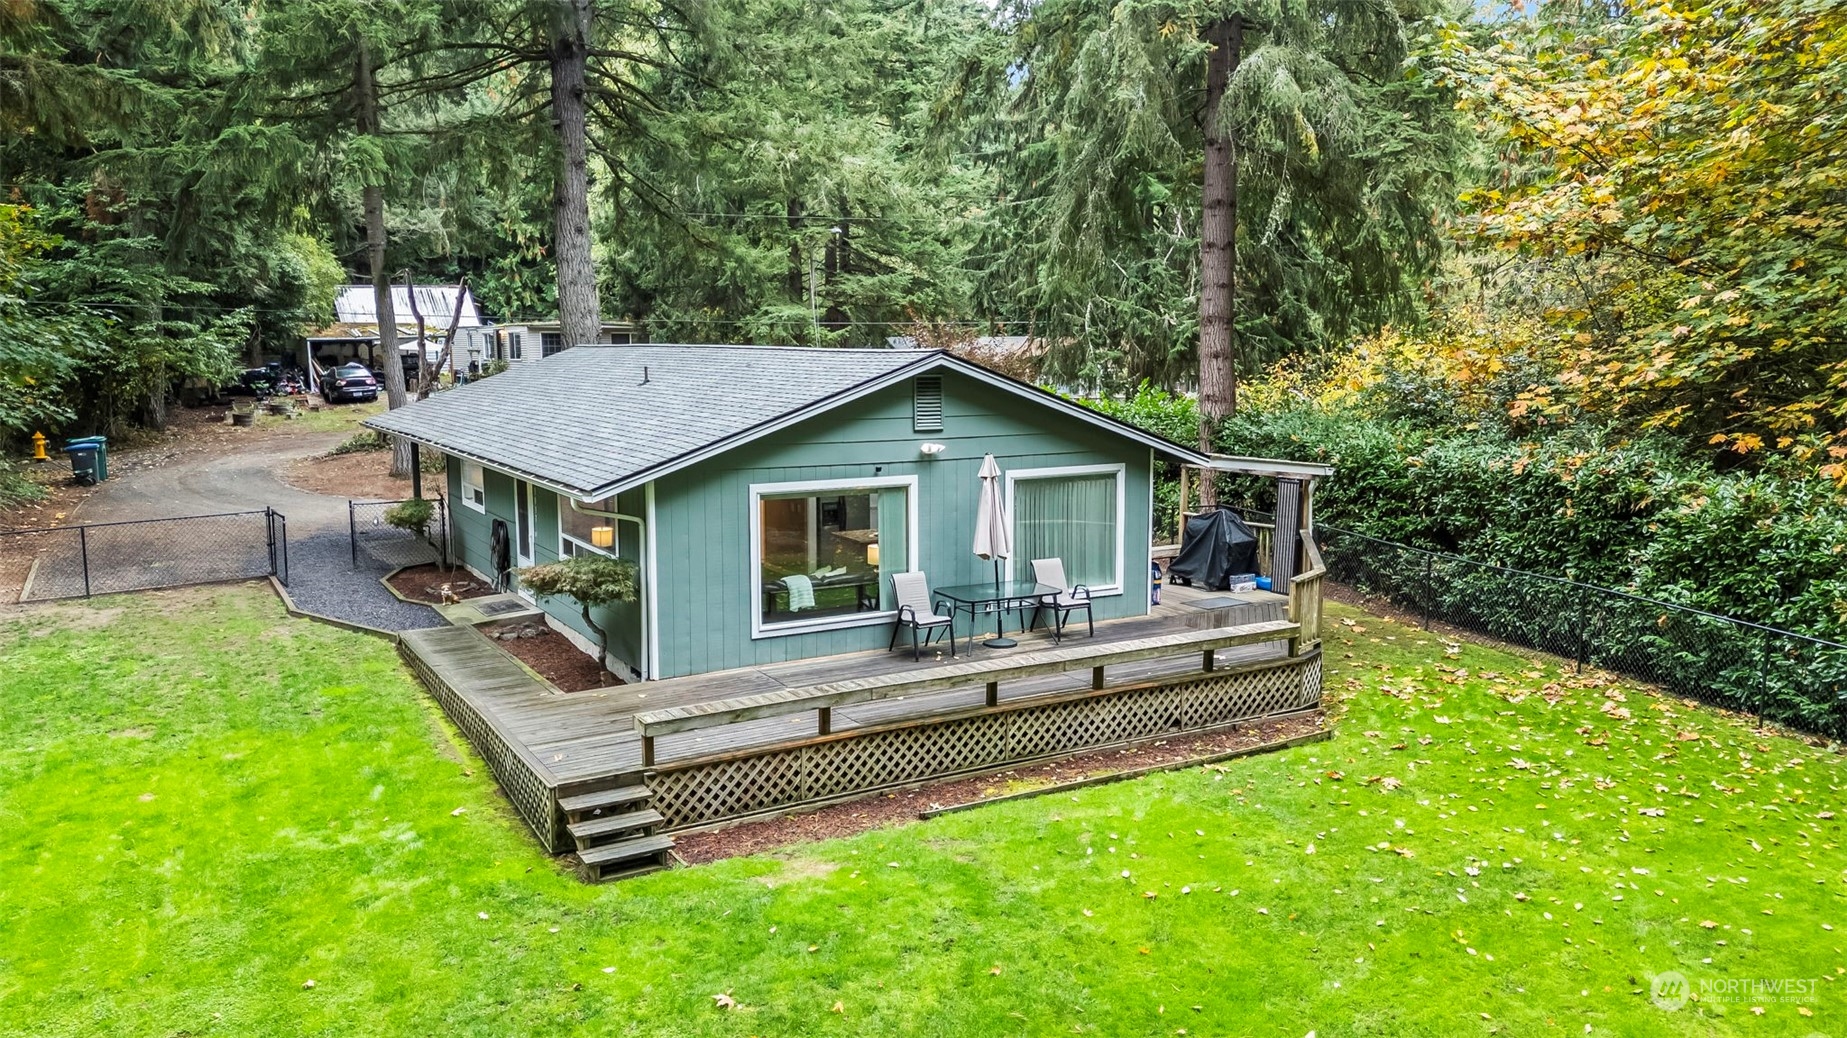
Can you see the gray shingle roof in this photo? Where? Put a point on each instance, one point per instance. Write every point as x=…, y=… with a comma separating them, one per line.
x=584, y=420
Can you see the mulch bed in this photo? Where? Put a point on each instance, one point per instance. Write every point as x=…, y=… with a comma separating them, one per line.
x=425, y=583
x=894, y=808
x=551, y=654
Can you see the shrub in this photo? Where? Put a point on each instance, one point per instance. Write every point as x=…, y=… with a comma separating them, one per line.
x=361, y=442
x=413, y=515
x=592, y=580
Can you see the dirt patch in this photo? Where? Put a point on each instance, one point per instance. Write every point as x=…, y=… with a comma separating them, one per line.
x=551, y=654
x=361, y=475
x=905, y=805
x=52, y=617
x=425, y=584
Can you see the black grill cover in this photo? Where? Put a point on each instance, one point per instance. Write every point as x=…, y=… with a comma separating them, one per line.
x=1217, y=545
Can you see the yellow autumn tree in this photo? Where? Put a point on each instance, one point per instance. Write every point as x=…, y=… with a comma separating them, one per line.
x=1692, y=158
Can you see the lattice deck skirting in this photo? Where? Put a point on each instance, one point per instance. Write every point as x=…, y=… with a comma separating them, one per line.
x=531, y=796
x=870, y=759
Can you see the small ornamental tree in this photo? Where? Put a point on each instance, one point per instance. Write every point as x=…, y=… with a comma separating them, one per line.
x=593, y=580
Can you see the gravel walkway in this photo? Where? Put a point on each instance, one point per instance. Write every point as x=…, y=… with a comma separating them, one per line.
x=322, y=580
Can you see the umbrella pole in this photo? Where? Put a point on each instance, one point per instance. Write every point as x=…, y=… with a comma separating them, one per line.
x=1000, y=639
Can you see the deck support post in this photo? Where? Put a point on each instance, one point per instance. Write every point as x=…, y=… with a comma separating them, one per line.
x=1096, y=678
x=993, y=693
x=825, y=721
x=647, y=751
x=1210, y=661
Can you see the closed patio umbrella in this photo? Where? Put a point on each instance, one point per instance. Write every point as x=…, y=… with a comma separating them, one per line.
x=993, y=538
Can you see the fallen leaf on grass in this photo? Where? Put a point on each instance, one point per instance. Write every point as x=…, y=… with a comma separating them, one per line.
x=723, y=1000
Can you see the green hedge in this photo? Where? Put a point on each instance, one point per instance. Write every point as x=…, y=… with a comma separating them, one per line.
x=1637, y=515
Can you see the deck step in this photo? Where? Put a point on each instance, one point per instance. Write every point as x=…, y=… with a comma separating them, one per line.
x=634, y=853
x=603, y=800
x=609, y=825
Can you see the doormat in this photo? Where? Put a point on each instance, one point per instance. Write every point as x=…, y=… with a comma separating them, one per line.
x=1220, y=603
x=505, y=605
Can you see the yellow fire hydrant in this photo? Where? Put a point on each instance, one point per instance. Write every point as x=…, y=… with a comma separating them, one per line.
x=38, y=447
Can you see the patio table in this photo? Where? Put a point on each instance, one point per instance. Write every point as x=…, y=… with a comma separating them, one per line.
x=994, y=597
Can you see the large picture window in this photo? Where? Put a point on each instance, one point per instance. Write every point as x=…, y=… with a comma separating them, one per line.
x=1073, y=514
x=823, y=552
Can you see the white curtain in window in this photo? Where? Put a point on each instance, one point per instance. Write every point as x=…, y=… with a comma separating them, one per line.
x=1071, y=518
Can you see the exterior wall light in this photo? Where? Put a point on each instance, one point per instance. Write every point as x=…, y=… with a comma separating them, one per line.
x=931, y=450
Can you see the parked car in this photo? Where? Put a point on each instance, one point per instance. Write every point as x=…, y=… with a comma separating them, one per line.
x=351, y=381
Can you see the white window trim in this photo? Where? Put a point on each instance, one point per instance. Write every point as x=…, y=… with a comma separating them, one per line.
x=468, y=497
x=1120, y=471
x=758, y=491
x=614, y=551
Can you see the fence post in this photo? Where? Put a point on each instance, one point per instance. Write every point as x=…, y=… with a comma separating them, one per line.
x=1430, y=565
x=1763, y=674
x=283, y=538
x=269, y=529
x=83, y=548
x=1583, y=633
x=352, y=533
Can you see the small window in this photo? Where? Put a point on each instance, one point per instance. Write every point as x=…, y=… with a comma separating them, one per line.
x=620, y=338
x=580, y=529
x=474, y=488
x=550, y=343
x=513, y=345
x=927, y=404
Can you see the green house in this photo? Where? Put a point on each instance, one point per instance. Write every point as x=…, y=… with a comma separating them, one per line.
x=767, y=494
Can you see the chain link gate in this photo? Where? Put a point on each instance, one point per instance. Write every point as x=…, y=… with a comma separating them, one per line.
x=137, y=555
x=372, y=535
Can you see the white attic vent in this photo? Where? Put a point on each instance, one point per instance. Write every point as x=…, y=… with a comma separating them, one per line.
x=927, y=404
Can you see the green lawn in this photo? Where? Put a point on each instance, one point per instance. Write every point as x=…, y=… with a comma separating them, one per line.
x=204, y=805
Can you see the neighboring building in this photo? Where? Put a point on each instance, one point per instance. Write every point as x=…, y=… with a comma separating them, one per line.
x=354, y=333
x=767, y=494
x=522, y=342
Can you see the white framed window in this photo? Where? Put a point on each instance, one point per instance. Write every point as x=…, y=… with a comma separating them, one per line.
x=822, y=552
x=1073, y=513
x=580, y=528
x=474, y=487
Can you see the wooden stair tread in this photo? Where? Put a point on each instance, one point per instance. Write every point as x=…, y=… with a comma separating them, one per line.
x=607, y=824
x=604, y=798
x=625, y=850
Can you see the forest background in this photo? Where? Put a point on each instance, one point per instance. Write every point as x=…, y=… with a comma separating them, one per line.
x=1557, y=286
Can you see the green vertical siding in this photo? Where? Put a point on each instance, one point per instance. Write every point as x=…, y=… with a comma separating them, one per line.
x=470, y=542
x=703, y=527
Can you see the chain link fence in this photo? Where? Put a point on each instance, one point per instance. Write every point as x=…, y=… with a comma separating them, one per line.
x=395, y=546
x=104, y=558
x=1792, y=678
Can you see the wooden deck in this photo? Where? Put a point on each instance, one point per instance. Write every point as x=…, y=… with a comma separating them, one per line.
x=543, y=745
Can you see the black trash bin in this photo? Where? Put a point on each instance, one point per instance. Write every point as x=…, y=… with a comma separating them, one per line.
x=83, y=463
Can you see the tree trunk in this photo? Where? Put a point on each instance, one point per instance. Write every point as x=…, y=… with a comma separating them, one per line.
x=431, y=375
x=1218, y=246
x=365, y=91
x=579, y=311
x=798, y=267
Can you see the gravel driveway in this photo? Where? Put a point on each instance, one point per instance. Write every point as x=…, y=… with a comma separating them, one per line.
x=322, y=577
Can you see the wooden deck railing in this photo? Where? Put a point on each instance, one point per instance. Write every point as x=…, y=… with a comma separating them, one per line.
x=822, y=699
x=1305, y=598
